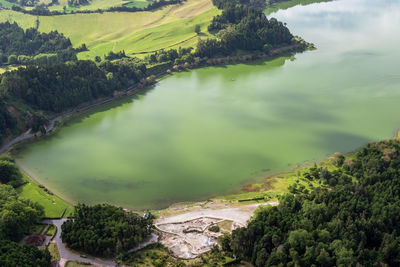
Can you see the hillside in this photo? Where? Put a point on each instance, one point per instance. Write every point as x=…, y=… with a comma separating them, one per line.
x=169, y=27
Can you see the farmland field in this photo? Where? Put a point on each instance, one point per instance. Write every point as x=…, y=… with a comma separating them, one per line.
x=169, y=27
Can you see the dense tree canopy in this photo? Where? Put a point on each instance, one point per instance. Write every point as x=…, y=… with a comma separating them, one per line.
x=242, y=27
x=356, y=220
x=58, y=87
x=17, y=215
x=222, y=4
x=7, y=122
x=20, y=47
x=104, y=230
x=9, y=173
x=12, y=254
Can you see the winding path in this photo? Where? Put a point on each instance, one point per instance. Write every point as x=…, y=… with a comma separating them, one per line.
x=23, y=136
x=66, y=254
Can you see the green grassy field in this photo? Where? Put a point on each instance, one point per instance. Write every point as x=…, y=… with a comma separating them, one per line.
x=139, y=4
x=169, y=27
x=53, y=249
x=97, y=4
x=51, y=230
x=53, y=205
x=6, y=4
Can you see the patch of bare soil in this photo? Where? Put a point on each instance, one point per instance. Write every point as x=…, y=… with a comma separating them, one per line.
x=195, y=231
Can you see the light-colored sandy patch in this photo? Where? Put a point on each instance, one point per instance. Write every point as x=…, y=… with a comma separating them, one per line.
x=189, y=234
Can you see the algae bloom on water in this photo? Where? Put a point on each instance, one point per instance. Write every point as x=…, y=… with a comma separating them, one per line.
x=208, y=131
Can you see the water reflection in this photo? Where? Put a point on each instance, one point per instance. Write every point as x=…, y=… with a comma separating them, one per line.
x=200, y=133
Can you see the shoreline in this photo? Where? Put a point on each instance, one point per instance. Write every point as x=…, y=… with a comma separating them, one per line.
x=299, y=47
x=243, y=195
x=31, y=177
x=66, y=116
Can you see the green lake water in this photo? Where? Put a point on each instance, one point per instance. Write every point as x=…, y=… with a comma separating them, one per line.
x=206, y=132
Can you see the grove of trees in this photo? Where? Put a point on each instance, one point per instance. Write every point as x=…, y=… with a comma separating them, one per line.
x=17, y=217
x=18, y=46
x=104, y=230
x=61, y=86
x=9, y=173
x=12, y=254
x=8, y=124
x=354, y=220
x=242, y=26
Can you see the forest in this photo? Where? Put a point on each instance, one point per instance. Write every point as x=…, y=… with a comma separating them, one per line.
x=61, y=86
x=9, y=173
x=19, y=46
x=8, y=124
x=12, y=254
x=17, y=217
x=105, y=230
x=242, y=27
x=222, y=4
x=57, y=87
x=353, y=220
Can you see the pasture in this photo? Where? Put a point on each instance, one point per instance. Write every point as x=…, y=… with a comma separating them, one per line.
x=138, y=32
x=54, y=206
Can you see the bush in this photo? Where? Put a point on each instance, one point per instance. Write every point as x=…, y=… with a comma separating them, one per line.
x=214, y=228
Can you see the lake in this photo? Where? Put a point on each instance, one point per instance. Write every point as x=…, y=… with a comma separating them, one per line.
x=206, y=132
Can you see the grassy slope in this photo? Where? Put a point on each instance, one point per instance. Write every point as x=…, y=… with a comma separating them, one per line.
x=139, y=4
x=6, y=4
x=171, y=26
x=95, y=4
x=53, y=205
x=98, y=4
